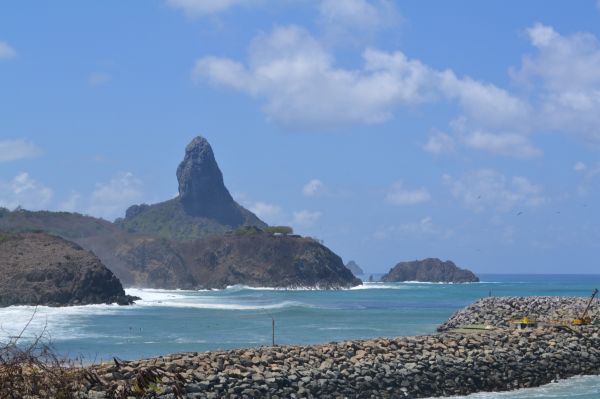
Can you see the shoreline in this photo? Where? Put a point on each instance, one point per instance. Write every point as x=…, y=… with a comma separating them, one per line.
x=444, y=364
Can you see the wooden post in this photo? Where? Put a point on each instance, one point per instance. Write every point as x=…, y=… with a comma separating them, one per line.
x=273, y=325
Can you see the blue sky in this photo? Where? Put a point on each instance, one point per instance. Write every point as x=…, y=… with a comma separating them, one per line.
x=393, y=131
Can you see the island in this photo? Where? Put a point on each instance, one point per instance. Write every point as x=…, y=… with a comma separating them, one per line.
x=430, y=270
x=355, y=268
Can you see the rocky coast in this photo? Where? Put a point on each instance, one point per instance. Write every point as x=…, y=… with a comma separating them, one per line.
x=443, y=364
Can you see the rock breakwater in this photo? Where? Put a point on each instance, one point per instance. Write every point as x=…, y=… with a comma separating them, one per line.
x=405, y=367
x=499, y=311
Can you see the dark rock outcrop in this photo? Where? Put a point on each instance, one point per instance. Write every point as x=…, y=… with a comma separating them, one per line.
x=252, y=258
x=204, y=206
x=201, y=188
x=354, y=268
x=429, y=270
x=40, y=269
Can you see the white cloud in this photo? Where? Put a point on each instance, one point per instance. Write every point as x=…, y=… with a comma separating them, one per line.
x=510, y=144
x=313, y=188
x=306, y=218
x=110, y=200
x=12, y=150
x=488, y=189
x=24, y=191
x=197, y=8
x=99, y=78
x=439, y=143
x=6, y=51
x=296, y=77
x=301, y=86
x=579, y=166
x=71, y=204
x=270, y=213
x=563, y=75
x=356, y=20
x=399, y=195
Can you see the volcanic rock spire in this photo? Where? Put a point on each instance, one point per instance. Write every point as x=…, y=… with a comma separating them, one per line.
x=201, y=188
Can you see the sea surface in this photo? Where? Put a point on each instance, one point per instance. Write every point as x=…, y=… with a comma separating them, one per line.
x=177, y=321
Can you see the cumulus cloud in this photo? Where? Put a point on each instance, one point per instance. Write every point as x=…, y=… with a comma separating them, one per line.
x=356, y=20
x=399, y=195
x=198, y=8
x=301, y=86
x=563, y=75
x=305, y=218
x=24, y=191
x=488, y=189
x=297, y=79
x=313, y=188
x=6, y=51
x=12, y=150
x=110, y=200
x=439, y=143
x=270, y=213
x=510, y=144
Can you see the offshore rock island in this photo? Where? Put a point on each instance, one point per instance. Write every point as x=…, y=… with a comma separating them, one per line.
x=430, y=270
x=200, y=239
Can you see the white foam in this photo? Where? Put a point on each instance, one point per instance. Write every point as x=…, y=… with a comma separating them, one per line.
x=52, y=322
x=247, y=287
x=580, y=386
x=379, y=285
x=220, y=305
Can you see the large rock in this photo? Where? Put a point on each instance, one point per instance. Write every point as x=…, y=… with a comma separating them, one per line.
x=430, y=270
x=40, y=269
x=204, y=206
x=201, y=188
x=354, y=268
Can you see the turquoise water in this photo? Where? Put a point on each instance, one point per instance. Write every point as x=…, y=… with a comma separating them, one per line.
x=174, y=321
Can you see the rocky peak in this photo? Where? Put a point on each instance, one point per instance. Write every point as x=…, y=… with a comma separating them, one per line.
x=202, y=191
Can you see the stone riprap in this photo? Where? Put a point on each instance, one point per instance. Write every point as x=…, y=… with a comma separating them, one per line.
x=499, y=311
x=405, y=367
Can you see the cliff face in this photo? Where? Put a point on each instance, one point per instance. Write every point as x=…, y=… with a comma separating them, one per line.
x=429, y=270
x=255, y=259
x=40, y=269
x=204, y=206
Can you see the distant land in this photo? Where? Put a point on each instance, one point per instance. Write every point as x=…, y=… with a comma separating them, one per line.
x=354, y=268
x=429, y=270
x=200, y=239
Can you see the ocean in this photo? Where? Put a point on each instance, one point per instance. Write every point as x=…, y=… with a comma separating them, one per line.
x=167, y=321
